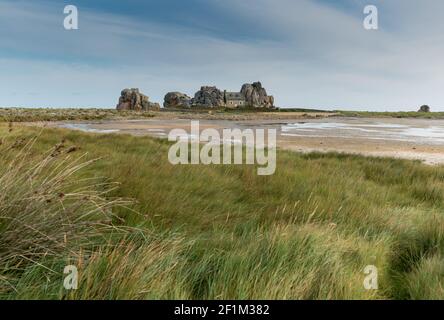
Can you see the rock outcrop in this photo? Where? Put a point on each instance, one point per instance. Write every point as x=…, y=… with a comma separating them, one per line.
x=132, y=99
x=251, y=95
x=208, y=97
x=424, y=108
x=176, y=100
x=256, y=96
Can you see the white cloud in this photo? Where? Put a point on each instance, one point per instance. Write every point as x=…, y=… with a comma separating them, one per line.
x=319, y=56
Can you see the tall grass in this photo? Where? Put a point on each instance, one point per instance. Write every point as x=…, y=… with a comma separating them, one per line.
x=47, y=211
x=222, y=232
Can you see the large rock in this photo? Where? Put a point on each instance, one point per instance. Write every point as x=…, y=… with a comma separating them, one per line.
x=208, y=97
x=256, y=96
x=176, y=100
x=132, y=99
x=424, y=108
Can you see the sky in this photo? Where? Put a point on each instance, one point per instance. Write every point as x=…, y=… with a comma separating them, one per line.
x=306, y=53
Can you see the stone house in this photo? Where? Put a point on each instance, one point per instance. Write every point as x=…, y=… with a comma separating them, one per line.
x=251, y=95
x=234, y=99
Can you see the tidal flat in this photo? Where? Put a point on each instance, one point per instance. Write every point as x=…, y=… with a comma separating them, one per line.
x=415, y=139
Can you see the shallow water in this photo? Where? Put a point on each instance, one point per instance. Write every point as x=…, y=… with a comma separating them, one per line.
x=409, y=132
x=87, y=128
x=405, y=130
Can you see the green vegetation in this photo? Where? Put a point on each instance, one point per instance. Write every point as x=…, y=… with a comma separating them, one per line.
x=400, y=114
x=303, y=110
x=211, y=232
x=32, y=115
x=41, y=114
x=35, y=115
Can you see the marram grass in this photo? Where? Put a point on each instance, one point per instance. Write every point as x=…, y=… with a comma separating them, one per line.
x=212, y=232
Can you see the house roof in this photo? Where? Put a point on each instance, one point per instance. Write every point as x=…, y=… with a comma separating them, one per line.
x=234, y=96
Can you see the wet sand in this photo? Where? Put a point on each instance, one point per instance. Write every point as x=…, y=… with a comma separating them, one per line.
x=416, y=139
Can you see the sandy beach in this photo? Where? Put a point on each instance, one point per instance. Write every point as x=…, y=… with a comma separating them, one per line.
x=415, y=139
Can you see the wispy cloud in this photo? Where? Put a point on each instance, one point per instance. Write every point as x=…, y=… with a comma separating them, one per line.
x=307, y=53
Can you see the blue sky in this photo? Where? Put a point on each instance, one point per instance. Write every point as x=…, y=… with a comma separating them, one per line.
x=307, y=53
